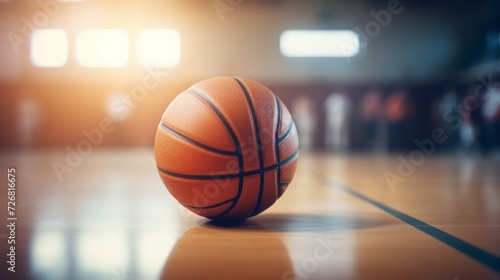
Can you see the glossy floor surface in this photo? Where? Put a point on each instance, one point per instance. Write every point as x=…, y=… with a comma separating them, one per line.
x=108, y=216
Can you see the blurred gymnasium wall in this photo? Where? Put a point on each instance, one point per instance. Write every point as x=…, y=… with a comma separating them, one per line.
x=424, y=48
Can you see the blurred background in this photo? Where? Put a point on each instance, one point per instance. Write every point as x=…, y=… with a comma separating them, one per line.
x=372, y=76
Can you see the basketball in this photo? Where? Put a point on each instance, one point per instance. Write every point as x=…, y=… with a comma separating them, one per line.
x=226, y=148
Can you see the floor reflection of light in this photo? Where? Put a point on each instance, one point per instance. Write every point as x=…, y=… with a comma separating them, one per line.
x=153, y=249
x=48, y=255
x=102, y=252
x=490, y=197
x=321, y=255
x=467, y=170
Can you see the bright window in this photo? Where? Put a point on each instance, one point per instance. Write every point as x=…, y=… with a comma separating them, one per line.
x=102, y=48
x=49, y=47
x=159, y=47
x=319, y=43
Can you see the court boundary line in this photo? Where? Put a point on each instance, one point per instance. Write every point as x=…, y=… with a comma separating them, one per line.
x=482, y=256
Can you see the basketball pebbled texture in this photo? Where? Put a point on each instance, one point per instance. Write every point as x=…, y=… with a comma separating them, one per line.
x=226, y=148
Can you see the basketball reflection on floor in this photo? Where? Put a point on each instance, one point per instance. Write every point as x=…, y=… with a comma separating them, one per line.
x=247, y=251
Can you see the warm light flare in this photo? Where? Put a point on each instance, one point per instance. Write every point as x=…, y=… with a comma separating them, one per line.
x=49, y=47
x=102, y=48
x=159, y=47
x=319, y=43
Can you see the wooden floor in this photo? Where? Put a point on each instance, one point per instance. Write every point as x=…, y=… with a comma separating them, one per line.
x=112, y=218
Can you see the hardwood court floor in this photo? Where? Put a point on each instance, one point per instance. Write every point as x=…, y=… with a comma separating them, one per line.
x=112, y=218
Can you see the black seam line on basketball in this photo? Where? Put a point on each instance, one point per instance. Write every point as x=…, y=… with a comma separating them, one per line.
x=196, y=143
x=290, y=158
x=484, y=257
x=259, y=144
x=276, y=147
x=236, y=144
x=221, y=117
x=209, y=207
x=286, y=132
x=228, y=175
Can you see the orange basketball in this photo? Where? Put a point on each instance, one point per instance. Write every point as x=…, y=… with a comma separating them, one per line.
x=226, y=148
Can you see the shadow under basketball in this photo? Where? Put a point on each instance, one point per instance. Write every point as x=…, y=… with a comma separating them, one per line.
x=319, y=222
